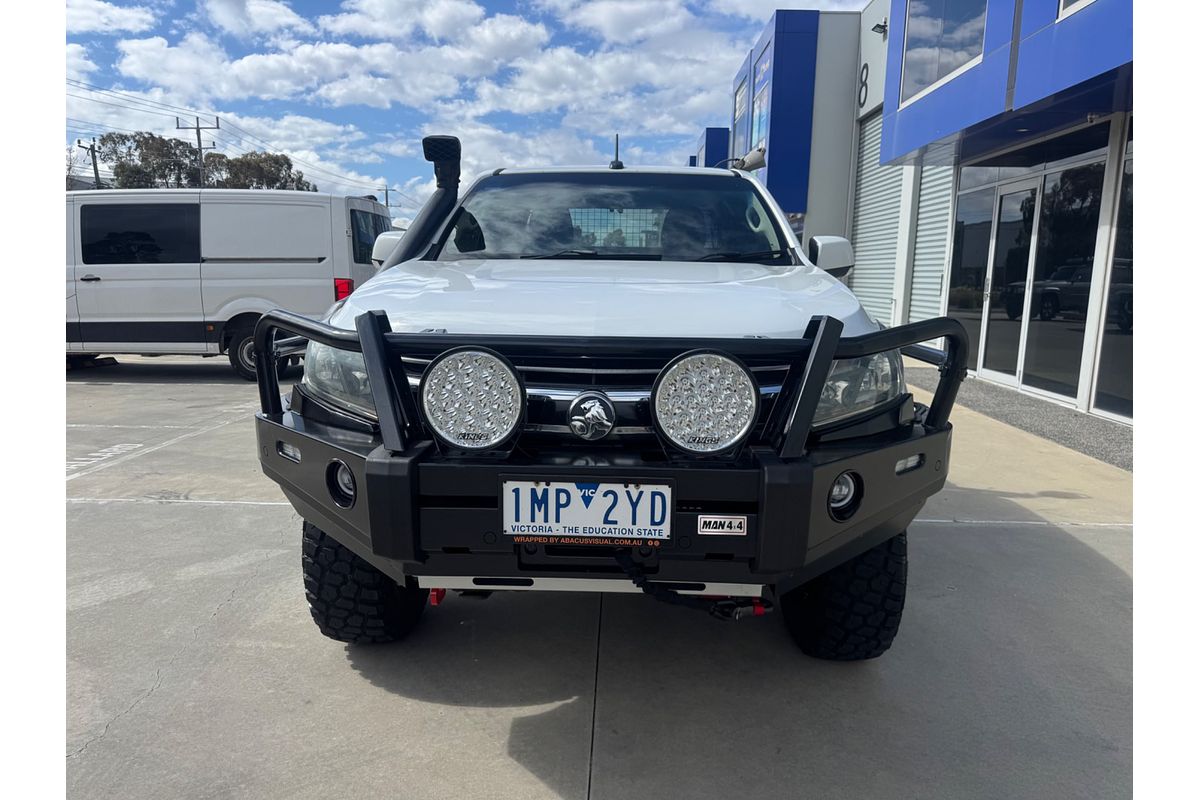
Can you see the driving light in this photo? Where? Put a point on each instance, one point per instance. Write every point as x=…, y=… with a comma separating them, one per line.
x=858, y=385
x=705, y=402
x=472, y=398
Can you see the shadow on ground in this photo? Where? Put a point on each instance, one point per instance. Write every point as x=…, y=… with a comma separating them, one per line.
x=1011, y=678
x=171, y=369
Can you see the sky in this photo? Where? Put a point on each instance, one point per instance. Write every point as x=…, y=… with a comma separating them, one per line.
x=347, y=89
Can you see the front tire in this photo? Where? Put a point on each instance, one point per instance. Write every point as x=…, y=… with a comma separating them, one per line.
x=350, y=600
x=852, y=612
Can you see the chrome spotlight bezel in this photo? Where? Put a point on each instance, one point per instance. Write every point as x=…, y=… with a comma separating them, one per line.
x=733, y=447
x=500, y=446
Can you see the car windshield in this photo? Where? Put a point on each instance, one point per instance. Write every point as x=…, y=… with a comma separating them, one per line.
x=614, y=215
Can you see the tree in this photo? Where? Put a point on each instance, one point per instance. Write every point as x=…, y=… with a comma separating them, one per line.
x=263, y=171
x=145, y=160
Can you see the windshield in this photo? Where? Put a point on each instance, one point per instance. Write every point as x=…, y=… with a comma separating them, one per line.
x=615, y=215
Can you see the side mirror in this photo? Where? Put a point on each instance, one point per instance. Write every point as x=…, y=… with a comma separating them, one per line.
x=834, y=254
x=385, y=244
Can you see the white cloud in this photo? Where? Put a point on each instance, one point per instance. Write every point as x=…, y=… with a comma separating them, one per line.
x=762, y=9
x=79, y=66
x=398, y=19
x=246, y=17
x=98, y=16
x=624, y=21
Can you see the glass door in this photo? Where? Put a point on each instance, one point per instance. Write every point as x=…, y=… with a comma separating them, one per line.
x=1005, y=299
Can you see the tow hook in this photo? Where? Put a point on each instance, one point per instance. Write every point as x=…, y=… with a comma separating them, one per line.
x=734, y=609
x=436, y=596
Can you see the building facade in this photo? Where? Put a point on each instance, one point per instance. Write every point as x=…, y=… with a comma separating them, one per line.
x=985, y=168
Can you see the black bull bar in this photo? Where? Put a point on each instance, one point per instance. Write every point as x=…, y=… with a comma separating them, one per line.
x=787, y=429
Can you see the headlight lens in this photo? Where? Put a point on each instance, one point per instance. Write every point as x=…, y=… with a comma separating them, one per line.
x=472, y=398
x=858, y=385
x=339, y=376
x=705, y=403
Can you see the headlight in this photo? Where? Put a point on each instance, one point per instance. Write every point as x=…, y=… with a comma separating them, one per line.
x=858, y=385
x=705, y=402
x=472, y=398
x=339, y=376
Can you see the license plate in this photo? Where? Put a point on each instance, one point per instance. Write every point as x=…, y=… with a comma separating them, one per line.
x=576, y=512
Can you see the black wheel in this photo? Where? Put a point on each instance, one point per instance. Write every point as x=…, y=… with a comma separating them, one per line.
x=79, y=359
x=1049, y=307
x=241, y=355
x=241, y=352
x=350, y=600
x=1013, y=309
x=1125, y=315
x=852, y=612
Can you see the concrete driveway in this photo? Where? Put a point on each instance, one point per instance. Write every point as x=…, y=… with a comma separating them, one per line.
x=194, y=670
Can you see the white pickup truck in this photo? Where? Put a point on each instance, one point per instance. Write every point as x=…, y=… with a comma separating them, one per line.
x=607, y=379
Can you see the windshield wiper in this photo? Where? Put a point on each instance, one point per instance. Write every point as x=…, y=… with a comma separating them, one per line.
x=743, y=256
x=570, y=252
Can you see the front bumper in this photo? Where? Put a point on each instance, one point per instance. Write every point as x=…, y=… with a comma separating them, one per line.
x=420, y=513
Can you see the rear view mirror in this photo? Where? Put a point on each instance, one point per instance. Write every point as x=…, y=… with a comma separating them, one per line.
x=834, y=254
x=385, y=243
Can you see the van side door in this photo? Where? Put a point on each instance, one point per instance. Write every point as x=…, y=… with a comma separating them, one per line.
x=74, y=337
x=265, y=252
x=138, y=276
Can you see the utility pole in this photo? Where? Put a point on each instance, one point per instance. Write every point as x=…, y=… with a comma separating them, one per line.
x=95, y=167
x=385, y=197
x=200, y=148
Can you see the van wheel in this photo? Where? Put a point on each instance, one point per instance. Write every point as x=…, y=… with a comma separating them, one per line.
x=350, y=600
x=241, y=355
x=852, y=612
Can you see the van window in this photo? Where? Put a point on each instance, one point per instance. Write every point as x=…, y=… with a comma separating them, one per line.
x=367, y=227
x=140, y=233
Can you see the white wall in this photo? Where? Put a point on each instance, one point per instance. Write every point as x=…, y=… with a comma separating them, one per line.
x=833, y=137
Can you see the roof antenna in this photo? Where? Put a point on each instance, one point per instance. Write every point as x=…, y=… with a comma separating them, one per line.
x=616, y=162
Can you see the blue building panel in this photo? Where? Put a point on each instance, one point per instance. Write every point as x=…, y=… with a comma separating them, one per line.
x=778, y=113
x=712, y=149
x=1054, y=73
x=1056, y=54
x=974, y=94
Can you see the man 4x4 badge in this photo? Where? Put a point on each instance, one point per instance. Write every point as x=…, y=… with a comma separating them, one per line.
x=727, y=525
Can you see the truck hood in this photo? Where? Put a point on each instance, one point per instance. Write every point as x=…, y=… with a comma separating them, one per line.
x=575, y=297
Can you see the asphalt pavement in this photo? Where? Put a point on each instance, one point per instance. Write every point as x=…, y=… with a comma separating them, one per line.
x=194, y=669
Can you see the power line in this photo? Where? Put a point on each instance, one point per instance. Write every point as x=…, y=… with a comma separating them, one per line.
x=119, y=105
x=137, y=98
x=324, y=171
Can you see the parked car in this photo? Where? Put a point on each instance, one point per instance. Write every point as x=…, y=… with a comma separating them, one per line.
x=156, y=271
x=524, y=399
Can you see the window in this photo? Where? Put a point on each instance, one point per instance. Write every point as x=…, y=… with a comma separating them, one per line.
x=761, y=109
x=1067, y=7
x=740, y=123
x=1062, y=279
x=940, y=37
x=366, y=228
x=1114, y=382
x=141, y=233
x=618, y=216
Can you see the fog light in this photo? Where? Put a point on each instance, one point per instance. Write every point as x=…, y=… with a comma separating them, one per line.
x=910, y=463
x=340, y=481
x=845, y=496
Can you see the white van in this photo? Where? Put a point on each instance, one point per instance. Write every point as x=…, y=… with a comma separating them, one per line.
x=157, y=271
